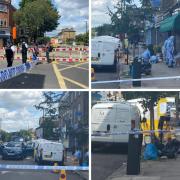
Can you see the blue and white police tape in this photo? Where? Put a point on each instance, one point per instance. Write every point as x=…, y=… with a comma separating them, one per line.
x=133, y=80
x=46, y=168
x=134, y=132
x=8, y=73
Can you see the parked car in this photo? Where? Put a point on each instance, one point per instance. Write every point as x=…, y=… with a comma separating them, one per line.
x=13, y=150
x=29, y=148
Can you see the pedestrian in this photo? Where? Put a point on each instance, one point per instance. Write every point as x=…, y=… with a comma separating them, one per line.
x=24, y=52
x=146, y=55
x=9, y=55
x=35, y=52
x=47, y=53
x=170, y=52
x=78, y=156
x=164, y=51
x=13, y=47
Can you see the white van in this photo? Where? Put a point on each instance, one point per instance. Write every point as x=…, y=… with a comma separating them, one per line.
x=103, y=51
x=113, y=117
x=48, y=151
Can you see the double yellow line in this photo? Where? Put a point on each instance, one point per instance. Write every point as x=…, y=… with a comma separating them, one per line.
x=61, y=78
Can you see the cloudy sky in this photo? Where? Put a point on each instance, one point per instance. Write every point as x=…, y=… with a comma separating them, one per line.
x=17, y=111
x=99, y=11
x=74, y=13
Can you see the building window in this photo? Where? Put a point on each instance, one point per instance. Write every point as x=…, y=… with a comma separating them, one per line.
x=3, y=8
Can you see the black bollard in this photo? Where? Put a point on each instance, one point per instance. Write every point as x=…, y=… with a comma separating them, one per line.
x=134, y=154
x=136, y=72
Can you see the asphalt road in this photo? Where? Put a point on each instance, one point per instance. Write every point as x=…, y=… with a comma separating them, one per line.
x=56, y=75
x=32, y=175
x=106, y=160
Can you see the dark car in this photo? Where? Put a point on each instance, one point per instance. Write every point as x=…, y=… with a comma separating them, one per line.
x=13, y=150
x=29, y=149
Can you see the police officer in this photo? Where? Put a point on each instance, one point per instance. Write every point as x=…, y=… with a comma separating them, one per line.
x=24, y=52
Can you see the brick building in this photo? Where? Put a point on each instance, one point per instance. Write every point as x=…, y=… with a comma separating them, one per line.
x=6, y=20
x=67, y=34
x=74, y=119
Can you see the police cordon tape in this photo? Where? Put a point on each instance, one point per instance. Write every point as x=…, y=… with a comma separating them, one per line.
x=8, y=73
x=135, y=132
x=133, y=80
x=46, y=168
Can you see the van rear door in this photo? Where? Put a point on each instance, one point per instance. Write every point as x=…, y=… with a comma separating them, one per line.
x=123, y=124
x=97, y=52
x=103, y=121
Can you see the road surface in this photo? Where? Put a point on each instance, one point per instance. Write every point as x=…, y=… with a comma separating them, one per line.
x=56, y=75
x=30, y=174
x=106, y=160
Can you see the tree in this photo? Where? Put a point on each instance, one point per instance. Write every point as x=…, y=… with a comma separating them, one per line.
x=82, y=39
x=38, y=17
x=149, y=100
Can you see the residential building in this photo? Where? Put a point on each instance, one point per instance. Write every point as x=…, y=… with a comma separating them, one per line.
x=67, y=34
x=74, y=119
x=6, y=21
x=166, y=23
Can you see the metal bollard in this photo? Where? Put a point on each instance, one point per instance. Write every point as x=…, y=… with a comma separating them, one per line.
x=136, y=72
x=134, y=154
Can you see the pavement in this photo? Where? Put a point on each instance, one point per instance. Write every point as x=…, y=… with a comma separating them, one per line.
x=56, y=75
x=163, y=169
x=106, y=160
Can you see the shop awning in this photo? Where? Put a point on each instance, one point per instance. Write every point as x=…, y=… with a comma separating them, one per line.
x=171, y=24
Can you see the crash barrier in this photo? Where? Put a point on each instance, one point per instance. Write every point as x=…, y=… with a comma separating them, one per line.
x=45, y=168
x=134, y=80
x=60, y=49
x=136, y=132
x=56, y=59
x=8, y=73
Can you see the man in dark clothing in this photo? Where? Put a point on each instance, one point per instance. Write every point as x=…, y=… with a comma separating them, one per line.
x=24, y=52
x=9, y=55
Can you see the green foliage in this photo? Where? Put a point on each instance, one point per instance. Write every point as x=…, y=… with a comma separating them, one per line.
x=43, y=40
x=150, y=99
x=38, y=16
x=48, y=126
x=82, y=39
x=105, y=29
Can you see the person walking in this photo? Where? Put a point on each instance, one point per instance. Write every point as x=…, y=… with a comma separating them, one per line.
x=170, y=52
x=9, y=55
x=24, y=52
x=164, y=51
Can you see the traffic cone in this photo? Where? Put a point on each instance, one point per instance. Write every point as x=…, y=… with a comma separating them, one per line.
x=55, y=171
x=62, y=175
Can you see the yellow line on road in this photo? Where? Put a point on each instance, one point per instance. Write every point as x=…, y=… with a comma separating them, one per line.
x=75, y=82
x=75, y=66
x=59, y=77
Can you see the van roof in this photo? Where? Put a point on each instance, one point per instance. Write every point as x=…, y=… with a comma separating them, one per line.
x=111, y=104
x=106, y=39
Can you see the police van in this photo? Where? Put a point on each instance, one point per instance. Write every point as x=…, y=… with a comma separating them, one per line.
x=49, y=151
x=103, y=51
x=113, y=117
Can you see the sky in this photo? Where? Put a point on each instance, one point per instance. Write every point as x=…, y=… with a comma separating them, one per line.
x=17, y=110
x=99, y=14
x=74, y=13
